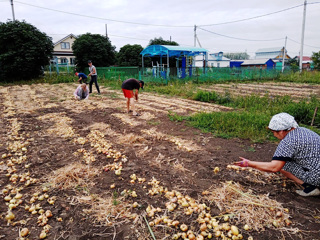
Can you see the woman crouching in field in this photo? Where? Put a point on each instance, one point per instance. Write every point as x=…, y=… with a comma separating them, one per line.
x=297, y=155
x=81, y=92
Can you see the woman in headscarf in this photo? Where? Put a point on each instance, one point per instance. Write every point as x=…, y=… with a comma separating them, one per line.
x=81, y=92
x=297, y=155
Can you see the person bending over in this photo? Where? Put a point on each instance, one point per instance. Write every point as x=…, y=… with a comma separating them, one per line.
x=81, y=92
x=82, y=77
x=128, y=87
x=297, y=155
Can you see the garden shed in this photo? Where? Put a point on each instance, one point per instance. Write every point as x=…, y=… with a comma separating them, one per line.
x=185, y=54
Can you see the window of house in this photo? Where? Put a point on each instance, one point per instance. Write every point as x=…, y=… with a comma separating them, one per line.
x=72, y=61
x=63, y=60
x=65, y=45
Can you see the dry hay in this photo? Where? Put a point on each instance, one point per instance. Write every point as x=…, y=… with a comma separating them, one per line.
x=131, y=139
x=126, y=118
x=182, y=144
x=147, y=116
x=62, y=125
x=258, y=211
x=103, y=127
x=107, y=210
x=70, y=176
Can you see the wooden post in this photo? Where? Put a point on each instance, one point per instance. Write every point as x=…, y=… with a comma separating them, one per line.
x=314, y=115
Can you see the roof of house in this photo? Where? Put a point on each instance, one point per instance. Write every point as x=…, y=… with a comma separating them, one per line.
x=305, y=59
x=214, y=57
x=172, y=51
x=66, y=37
x=256, y=62
x=265, y=50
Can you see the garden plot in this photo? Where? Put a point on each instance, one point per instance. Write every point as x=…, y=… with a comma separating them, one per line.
x=88, y=170
x=297, y=91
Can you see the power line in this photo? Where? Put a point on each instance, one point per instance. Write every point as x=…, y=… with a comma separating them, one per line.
x=162, y=25
x=243, y=39
x=303, y=44
x=105, y=19
x=246, y=19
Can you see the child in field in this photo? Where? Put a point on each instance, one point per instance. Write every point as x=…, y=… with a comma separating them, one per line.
x=82, y=92
x=297, y=156
x=127, y=87
x=82, y=77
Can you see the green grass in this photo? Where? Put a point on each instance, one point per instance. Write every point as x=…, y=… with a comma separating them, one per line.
x=252, y=115
x=243, y=125
x=306, y=77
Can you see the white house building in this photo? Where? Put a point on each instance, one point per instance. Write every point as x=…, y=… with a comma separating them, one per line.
x=63, y=50
x=214, y=60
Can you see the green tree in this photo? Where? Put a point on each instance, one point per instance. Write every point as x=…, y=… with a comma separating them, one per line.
x=93, y=47
x=294, y=64
x=237, y=56
x=24, y=51
x=129, y=55
x=160, y=41
x=316, y=59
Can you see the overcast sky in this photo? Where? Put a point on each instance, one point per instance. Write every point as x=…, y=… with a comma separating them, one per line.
x=58, y=18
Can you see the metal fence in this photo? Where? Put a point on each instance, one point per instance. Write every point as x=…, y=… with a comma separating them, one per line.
x=162, y=76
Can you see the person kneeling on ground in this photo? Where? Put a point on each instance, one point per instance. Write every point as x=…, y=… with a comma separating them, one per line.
x=82, y=92
x=127, y=87
x=297, y=155
x=82, y=77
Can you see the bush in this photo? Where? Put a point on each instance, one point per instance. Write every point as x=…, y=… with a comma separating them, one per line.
x=24, y=51
x=93, y=47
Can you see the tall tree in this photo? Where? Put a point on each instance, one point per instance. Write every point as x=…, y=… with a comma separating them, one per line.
x=160, y=41
x=24, y=51
x=93, y=47
x=129, y=55
x=237, y=56
x=316, y=59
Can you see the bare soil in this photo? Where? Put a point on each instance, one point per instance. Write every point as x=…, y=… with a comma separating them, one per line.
x=47, y=130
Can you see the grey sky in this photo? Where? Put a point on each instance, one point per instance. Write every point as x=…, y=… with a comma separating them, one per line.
x=183, y=15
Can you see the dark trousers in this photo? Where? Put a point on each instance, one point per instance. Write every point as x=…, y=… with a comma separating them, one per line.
x=94, y=80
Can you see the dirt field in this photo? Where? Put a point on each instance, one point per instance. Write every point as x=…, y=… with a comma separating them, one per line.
x=88, y=170
x=297, y=91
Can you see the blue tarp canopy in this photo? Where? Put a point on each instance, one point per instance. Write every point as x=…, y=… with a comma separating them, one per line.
x=172, y=51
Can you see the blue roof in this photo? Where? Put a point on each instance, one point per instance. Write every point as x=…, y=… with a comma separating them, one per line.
x=173, y=51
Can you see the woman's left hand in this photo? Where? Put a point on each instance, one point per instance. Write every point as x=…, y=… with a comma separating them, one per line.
x=243, y=163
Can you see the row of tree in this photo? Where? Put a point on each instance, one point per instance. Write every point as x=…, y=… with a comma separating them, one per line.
x=24, y=51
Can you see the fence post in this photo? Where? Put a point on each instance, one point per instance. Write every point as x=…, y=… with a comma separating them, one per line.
x=314, y=115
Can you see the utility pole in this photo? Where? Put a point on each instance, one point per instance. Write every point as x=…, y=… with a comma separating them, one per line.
x=302, y=35
x=284, y=54
x=106, y=30
x=195, y=35
x=12, y=10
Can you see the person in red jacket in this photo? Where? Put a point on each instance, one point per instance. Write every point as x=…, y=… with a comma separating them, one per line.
x=128, y=87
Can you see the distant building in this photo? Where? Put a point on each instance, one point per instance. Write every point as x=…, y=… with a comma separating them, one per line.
x=306, y=62
x=63, y=50
x=214, y=60
x=236, y=63
x=275, y=54
x=259, y=63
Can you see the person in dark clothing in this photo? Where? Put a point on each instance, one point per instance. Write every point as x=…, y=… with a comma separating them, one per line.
x=93, y=75
x=127, y=87
x=82, y=77
x=297, y=156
